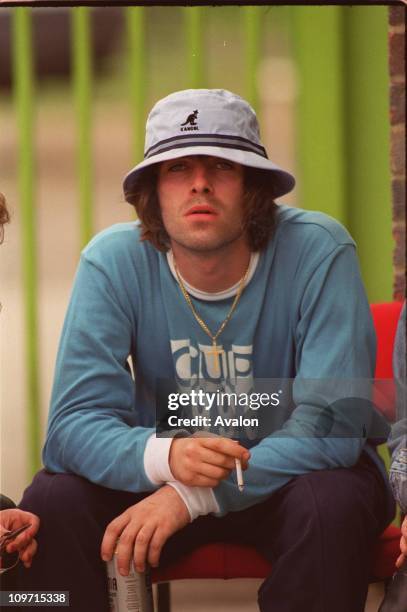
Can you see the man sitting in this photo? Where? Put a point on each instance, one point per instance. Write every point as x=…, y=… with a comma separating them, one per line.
x=215, y=284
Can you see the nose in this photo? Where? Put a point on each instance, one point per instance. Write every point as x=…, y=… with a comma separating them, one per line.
x=201, y=181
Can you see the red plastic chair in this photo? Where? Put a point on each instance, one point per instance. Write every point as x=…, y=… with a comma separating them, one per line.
x=228, y=561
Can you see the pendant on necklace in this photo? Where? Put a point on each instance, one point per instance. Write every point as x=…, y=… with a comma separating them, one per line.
x=216, y=351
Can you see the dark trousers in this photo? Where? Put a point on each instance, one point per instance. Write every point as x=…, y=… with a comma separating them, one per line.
x=318, y=531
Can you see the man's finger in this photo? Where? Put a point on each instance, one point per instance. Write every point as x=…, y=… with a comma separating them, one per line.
x=34, y=522
x=125, y=549
x=20, y=542
x=220, y=459
x=141, y=546
x=156, y=545
x=111, y=535
x=213, y=472
x=227, y=446
x=28, y=553
x=208, y=455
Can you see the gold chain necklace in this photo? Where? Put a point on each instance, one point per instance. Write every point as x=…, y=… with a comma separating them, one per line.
x=216, y=350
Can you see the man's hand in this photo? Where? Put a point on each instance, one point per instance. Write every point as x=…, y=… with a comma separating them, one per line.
x=403, y=544
x=24, y=543
x=204, y=462
x=144, y=528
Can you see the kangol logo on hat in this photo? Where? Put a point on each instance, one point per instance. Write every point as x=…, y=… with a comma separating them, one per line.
x=227, y=128
x=191, y=122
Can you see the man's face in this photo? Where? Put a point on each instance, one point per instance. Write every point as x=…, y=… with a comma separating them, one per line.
x=201, y=201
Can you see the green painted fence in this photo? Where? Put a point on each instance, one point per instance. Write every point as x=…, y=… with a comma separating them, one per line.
x=341, y=126
x=137, y=74
x=24, y=104
x=82, y=92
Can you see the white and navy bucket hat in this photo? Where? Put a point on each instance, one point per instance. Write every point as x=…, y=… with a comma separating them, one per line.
x=212, y=122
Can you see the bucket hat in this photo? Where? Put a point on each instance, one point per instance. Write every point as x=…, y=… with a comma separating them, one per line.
x=212, y=122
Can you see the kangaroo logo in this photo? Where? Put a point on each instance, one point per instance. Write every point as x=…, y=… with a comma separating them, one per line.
x=191, y=119
x=191, y=122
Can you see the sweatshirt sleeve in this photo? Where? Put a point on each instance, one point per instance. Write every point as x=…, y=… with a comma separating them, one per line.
x=93, y=429
x=334, y=339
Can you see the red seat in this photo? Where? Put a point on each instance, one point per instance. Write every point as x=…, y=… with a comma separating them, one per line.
x=235, y=561
x=385, y=318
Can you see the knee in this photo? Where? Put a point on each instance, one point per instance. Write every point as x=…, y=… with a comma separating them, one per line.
x=325, y=497
x=52, y=495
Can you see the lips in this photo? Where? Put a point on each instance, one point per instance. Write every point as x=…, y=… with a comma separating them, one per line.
x=201, y=209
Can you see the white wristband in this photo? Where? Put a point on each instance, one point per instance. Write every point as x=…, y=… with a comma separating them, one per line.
x=156, y=455
x=198, y=500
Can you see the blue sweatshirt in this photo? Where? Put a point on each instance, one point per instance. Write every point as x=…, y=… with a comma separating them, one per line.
x=303, y=315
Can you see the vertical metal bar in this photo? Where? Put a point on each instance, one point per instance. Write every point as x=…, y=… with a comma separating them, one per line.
x=318, y=44
x=135, y=20
x=194, y=45
x=368, y=130
x=253, y=30
x=164, y=597
x=82, y=88
x=24, y=100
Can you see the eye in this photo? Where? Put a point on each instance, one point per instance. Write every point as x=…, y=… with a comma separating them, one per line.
x=224, y=165
x=176, y=167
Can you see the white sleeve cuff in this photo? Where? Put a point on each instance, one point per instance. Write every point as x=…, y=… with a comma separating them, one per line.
x=198, y=500
x=156, y=464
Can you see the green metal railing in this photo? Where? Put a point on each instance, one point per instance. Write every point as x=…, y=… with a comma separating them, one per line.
x=341, y=127
x=368, y=141
x=320, y=112
x=24, y=104
x=82, y=91
x=136, y=22
x=194, y=26
x=252, y=55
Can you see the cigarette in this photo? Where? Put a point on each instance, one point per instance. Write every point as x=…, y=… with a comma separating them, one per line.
x=239, y=475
